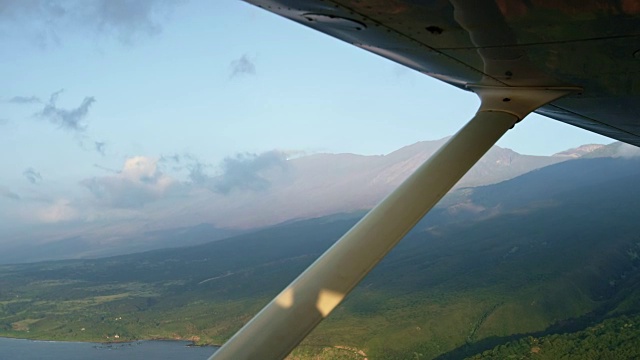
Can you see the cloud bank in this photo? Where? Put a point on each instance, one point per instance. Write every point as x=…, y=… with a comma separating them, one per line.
x=138, y=183
x=142, y=188
x=242, y=172
x=248, y=172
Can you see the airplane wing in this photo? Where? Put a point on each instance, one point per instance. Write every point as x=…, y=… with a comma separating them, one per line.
x=591, y=44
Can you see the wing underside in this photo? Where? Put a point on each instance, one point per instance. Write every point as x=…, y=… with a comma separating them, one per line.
x=594, y=45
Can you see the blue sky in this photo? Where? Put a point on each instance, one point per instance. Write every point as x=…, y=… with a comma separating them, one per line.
x=91, y=86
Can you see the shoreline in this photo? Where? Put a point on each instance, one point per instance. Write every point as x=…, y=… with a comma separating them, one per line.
x=188, y=343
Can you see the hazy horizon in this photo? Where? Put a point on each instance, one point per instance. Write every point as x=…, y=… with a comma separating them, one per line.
x=117, y=115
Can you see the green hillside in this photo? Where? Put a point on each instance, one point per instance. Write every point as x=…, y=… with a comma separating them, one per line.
x=613, y=339
x=523, y=270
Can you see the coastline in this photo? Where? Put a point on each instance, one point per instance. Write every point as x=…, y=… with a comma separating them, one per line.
x=30, y=349
x=188, y=343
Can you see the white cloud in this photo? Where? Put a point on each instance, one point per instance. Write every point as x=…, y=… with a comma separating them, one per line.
x=139, y=182
x=59, y=211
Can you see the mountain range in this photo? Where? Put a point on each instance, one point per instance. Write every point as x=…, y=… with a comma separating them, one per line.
x=306, y=187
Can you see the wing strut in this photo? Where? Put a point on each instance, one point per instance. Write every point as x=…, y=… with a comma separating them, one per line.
x=289, y=317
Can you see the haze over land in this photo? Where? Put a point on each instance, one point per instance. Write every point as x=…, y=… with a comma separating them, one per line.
x=118, y=119
x=155, y=210
x=547, y=260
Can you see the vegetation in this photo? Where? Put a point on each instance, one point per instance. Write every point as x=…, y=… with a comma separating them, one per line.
x=616, y=338
x=520, y=280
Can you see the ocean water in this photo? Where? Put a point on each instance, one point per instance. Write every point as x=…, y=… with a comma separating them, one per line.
x=63, y=350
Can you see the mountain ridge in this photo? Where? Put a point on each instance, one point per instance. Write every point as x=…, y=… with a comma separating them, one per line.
x=310, y=186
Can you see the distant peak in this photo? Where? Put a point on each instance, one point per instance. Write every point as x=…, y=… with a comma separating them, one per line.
x=580, y=151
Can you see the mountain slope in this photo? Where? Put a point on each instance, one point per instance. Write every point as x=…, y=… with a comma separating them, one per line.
x=84, y=246
x=307, y=187
x=323, y=184
x=450, y=289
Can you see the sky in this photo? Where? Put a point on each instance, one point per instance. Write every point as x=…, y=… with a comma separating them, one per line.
x=109, y=105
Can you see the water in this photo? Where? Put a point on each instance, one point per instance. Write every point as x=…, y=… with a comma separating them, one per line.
x=62, y=350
